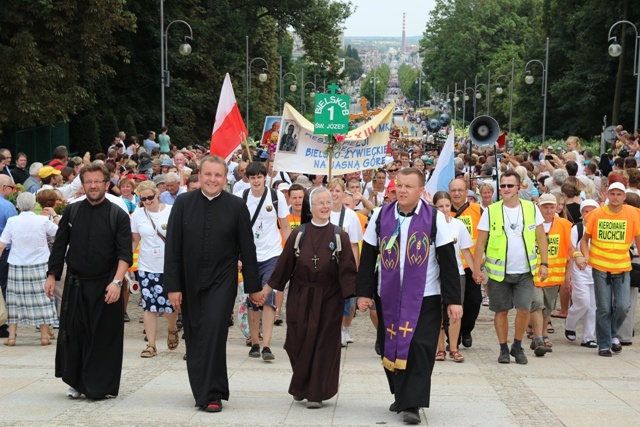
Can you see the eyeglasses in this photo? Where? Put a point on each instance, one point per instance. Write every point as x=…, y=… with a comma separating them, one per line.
x=97, y=182
x=150, y=198
x=507, y=185
x=322, y=203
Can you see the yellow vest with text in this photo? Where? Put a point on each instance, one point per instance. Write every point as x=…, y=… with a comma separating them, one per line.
x=496, y=252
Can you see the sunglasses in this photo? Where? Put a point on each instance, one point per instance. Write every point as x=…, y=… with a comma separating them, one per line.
x=507, y=185
x=150, y=198
x=393, y=170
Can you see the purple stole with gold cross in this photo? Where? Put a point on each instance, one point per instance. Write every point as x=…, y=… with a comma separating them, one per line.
x=401, y=297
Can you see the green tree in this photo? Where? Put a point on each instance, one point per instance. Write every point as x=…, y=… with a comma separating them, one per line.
x=129, y=126
x=85, y=133
x=55, y=53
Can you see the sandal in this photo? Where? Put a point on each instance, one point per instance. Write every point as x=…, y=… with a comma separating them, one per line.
x=150, y=351
x=440, y=356
x=589, y=344
x=172, y=339
x=456, y=356
x=529, y=332
x=548, y=344
x=550, y=328
x=11, y=342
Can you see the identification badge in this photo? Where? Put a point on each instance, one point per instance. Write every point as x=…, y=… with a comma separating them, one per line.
x=391, y=241
x=156, y=252
x=531, y=227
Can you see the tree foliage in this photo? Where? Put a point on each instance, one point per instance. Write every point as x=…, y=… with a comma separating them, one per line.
x=468, y=38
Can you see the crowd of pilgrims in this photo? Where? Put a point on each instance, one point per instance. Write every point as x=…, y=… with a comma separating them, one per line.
x=147, y=178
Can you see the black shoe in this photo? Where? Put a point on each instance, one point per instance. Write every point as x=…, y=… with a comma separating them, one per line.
x=214, y=406
x=539, y=349
x=266, y=354
x=571, y=335
x=616, y=348
x=521, y=358
x=467, y=341
x=377, y=348
x=255, y=351
x=504, y=357
x=4, y=333
x=622, y=343
x=393, y=407
x=589, y=344
x=411, y=416
x=179, y=322
x=605, y=353
x=127, y=319
x=278, y=320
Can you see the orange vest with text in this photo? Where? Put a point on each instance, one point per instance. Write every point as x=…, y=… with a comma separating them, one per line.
x=470, y=217
x=611, y=236
x=559, y=242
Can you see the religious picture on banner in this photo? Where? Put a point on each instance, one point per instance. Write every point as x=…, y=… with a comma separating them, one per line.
x=289, y=139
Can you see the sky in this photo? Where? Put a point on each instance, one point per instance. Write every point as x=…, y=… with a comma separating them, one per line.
x=384, y=17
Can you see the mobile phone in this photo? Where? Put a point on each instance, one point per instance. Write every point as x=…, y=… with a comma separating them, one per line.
x=548, y=157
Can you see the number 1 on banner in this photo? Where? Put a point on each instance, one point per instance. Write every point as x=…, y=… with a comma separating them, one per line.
x=331, y=112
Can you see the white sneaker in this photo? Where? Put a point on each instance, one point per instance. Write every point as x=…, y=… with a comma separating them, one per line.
x=343, y=339
x=347, y=336
x=73, y=393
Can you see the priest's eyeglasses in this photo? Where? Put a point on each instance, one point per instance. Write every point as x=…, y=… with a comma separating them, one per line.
x=97, y=182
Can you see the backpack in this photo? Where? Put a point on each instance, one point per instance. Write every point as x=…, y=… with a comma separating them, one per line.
x=113, y=215
x=337, y=242
x=274, y=201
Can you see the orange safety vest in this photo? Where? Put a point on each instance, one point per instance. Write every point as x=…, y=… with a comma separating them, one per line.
x=470, y=217
x=294, y=222
x=559, y=242
x=611, y=236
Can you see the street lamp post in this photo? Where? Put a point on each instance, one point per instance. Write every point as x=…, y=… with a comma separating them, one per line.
x=499, y=90
x=293, y=86
x=375, y=82
x=545, y=74
x=262, y=77
x=477, y=95
x=419, y=83
x=312, y=94
x=615, y=50
x=185, y=49
x=457, y=98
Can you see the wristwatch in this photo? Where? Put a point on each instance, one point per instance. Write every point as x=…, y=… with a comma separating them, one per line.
x=117, y=282
x=545, y=264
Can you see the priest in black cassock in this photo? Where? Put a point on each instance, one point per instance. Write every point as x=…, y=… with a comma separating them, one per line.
x=410, y=291
x=208, y=232
x=320, y=282
x=90, y=341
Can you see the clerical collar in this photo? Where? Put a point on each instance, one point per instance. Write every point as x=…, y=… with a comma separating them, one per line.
x=210, y=197
x=405, y=214
x=319, y=225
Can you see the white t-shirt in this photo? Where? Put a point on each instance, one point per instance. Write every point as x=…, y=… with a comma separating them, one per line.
x=351, y=224
x=240, y=186
x=266, y=234
x=582, y=277
x=232, y=166
x=151, y=255
x=461, y=240
x=516, y=253
x=443, y=237
x=27, y=233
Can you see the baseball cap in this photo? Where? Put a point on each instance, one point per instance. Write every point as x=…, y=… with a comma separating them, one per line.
x=589, y=202
x=430, y=161
x=470, y=193
x=167, y=162
x=547, y=199
x=158, y=179
x=304, y=181
x=284, y=186
x=617, y=186
x=391, y=186
x=46, y=171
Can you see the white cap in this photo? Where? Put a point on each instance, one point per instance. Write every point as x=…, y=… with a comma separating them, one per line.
x=284, y=186
x=617, y=186
x=588, y=202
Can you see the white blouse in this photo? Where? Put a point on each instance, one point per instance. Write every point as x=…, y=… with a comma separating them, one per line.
x=27, y=234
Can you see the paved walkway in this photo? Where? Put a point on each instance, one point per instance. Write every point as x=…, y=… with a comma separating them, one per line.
x=571, y=386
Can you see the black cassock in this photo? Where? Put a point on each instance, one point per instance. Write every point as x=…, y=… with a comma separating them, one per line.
x=205, y=240
x=314, y=308
x=90, y=340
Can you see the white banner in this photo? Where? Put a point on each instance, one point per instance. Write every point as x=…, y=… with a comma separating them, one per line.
x=300, y=150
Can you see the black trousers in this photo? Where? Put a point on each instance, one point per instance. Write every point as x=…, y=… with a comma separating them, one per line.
x=472, y=304
x=412, y=386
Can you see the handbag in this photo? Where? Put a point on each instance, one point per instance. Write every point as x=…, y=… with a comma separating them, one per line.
x=4, y=315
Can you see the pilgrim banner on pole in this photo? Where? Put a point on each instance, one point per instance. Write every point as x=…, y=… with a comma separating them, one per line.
x=300, y=150
x=445, y=169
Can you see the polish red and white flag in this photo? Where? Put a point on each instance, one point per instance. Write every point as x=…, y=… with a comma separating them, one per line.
x=229, y=130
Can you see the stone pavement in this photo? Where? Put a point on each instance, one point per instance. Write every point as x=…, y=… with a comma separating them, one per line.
x=571, y=386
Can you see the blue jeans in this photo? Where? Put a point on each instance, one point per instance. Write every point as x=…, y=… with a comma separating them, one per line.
x=612, y=304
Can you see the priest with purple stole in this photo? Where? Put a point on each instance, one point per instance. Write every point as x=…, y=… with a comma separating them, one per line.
x=417, y=278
